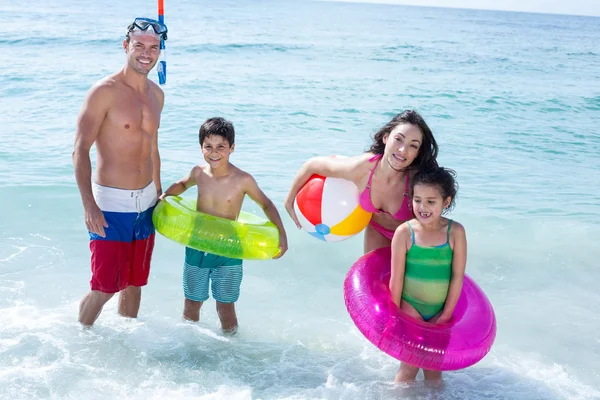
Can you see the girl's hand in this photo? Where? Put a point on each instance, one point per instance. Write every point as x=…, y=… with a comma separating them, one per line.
x=439, y=319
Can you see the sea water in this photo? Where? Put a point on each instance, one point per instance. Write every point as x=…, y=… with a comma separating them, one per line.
x=512, y=98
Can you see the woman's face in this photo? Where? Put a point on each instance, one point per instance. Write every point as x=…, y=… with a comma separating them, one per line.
x=402, y=146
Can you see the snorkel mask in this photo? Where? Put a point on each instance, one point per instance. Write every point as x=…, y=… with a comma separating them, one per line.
x=141, y=27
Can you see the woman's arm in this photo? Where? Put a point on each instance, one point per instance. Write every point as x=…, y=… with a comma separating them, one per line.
x=345, y=168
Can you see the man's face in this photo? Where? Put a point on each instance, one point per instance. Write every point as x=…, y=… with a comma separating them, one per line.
x=142, y=51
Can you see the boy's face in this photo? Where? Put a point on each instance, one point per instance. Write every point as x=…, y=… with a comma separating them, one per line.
x=216, y=151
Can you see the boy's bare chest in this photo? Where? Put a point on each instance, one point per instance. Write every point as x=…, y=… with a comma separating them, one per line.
x=224, y=192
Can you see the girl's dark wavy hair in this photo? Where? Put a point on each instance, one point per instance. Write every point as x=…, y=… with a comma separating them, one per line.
x=427, y=157
x=442, y=178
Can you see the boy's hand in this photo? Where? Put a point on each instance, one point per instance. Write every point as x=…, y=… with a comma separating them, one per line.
x=283, y=246
x=289, y=207
x=161, y=197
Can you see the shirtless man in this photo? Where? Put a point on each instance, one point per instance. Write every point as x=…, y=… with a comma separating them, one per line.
x=221, y=190
x=121, y=115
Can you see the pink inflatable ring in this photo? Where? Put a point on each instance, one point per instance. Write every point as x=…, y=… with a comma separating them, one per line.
x=460, y=343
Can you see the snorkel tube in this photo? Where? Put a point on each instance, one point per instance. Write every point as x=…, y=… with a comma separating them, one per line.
x=162, y=59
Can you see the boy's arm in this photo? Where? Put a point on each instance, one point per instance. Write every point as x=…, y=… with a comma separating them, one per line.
x=182, y=185
x=459, y=262
x=398, y=263
x=256, y=194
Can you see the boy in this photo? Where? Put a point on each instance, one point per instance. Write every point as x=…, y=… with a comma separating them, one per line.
x=221, y=190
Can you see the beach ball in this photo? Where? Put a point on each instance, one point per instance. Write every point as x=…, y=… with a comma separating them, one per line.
x=328, y=209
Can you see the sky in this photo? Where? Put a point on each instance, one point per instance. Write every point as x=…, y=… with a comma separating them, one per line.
x=576, y=7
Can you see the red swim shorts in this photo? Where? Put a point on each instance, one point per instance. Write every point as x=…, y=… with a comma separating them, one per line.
x=122, y=257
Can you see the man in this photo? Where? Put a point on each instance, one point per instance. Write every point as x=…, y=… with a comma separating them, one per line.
x=121, y=115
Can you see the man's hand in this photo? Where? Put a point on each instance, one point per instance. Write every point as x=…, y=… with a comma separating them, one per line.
x=94, y=220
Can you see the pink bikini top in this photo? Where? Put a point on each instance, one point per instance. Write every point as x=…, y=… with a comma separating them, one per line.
x=404, y=213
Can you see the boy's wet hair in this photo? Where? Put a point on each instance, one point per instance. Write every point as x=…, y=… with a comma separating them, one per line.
x=442, y=178
x=217, y=126
x=427, y=152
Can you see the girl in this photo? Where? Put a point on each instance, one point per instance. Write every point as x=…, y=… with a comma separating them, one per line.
x=429, y=254
x=399, y=149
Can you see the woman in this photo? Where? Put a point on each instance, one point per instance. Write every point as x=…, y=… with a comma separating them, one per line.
x=383, y=174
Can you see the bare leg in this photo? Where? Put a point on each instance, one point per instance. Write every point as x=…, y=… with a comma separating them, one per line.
x=91, y=306
x=129, y=301
x=374, y=240
x=408, y=373
x=191, y=310
x=227, y=316
x=432, y=376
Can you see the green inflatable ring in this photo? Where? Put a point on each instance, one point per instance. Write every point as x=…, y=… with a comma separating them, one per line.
x=250, y=237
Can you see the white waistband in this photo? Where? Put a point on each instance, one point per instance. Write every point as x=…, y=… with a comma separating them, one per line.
x=113, y=199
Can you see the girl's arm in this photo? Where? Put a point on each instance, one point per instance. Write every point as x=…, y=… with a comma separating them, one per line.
x=459, y=262
x=334, y=167
x=399, y=250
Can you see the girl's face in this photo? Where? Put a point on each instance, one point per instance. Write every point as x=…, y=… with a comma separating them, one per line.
x=402, y=146
x=428, y=203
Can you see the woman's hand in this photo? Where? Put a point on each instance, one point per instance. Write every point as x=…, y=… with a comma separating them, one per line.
x=289, y=207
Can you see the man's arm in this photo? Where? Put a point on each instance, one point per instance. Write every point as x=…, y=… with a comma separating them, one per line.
x=92, y=114
x=256, y=194
x=155, y=153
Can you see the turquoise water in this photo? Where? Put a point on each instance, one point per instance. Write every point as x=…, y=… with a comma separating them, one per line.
x=513, y=99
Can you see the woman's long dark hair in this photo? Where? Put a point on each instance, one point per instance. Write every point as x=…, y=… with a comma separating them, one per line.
x=427, y=157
